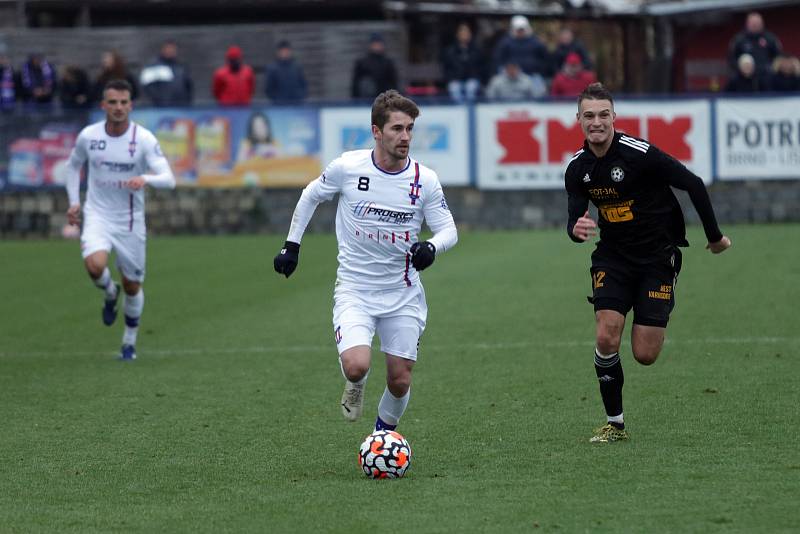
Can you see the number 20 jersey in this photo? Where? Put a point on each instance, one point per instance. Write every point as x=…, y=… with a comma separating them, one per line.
x=378, y=218
x=113, y=160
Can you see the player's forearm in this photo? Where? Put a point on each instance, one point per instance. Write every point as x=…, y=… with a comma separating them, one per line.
x=445, y=238
x=302, y=215
x=73, y=185
x=576, y=206
x=702, y=203
x=698, y=194
x=162, y=176
x=682, y=178
x=164, y=180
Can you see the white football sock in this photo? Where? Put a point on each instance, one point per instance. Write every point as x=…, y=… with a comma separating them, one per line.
x=391, y=408
x=605, y=356
x=133, y=311
x=107, y=284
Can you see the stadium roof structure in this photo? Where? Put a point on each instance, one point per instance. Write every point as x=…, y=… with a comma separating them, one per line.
x=69, y=13
x=326, y=5
x=477, y=7
x=586, y=7
x=681, y=7
x=466, y=7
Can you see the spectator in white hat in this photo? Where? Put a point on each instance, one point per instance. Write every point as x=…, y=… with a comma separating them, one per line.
x=523, y=48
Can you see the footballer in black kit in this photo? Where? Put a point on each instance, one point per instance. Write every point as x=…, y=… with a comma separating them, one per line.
x=637, y=260
x=641, y=224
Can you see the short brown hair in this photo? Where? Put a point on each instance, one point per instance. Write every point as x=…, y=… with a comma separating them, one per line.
x=389, y=101
x=595, y=91
x=118, y=85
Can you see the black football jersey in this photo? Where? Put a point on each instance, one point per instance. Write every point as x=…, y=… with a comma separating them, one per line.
x=638, y=214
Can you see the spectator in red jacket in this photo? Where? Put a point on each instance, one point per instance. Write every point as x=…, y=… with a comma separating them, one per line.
x=572, y=79
x=234, y=83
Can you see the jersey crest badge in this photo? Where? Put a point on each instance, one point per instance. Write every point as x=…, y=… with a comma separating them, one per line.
x=617, y=174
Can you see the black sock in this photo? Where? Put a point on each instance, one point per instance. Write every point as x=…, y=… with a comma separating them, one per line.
x=611, y=378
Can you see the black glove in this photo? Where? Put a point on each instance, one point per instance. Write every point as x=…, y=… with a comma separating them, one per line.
x=422, y=255
x=286, y=260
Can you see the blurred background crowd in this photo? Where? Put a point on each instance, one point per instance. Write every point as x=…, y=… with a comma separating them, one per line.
x=465, y=54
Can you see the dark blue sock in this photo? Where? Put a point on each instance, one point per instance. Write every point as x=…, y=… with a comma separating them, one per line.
x=380, y=424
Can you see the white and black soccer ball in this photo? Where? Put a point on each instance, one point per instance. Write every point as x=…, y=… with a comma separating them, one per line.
x=384, y=454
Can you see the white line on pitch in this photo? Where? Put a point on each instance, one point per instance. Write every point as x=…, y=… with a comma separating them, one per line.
x=482, y=346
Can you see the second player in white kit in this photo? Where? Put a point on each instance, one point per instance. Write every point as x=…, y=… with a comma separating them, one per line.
x=384, y=195
x=119, y=154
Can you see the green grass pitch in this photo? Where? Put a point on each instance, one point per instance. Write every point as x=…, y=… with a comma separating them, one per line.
x=229, y=420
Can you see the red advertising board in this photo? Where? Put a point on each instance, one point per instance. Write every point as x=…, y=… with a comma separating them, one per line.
x=527, y=146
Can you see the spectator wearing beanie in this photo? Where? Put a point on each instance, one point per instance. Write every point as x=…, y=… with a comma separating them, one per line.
x=286, y=82
x=233, y=83
x=572, y=79
x=374, y=72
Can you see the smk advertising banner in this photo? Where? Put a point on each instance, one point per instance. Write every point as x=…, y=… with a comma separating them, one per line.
x=219, y=147
x=440, y=138
x=758, y=138
x=528, y=146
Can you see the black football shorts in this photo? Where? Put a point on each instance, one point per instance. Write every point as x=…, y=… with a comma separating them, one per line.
x=619, y=284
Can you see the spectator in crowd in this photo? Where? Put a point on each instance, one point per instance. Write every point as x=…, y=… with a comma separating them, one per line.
x=286, y=81
x=462, y=64
x=786, y=74
x=513, y=84
x=166, y=81
x=74, y=88
x=747, y=79
x=573, y=78
x=234, y=83
x=761, y=45
x=373, y=73
x=9, y=81
x=112, y=67
x=38, y=81
x=524, y=49
x=567, y=44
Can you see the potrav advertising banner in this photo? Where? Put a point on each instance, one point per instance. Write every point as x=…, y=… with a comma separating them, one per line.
x=528, y=146
x=440, y=138
x=758, y=138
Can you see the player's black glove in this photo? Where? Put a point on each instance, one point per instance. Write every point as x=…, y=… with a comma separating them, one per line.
x=287, y=258
x=422, y=255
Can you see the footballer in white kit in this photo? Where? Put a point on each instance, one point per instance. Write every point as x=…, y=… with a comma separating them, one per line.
x=119, y=153
x=384, y=195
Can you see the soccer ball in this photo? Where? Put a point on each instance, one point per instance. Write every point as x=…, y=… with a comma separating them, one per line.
x=384, y=454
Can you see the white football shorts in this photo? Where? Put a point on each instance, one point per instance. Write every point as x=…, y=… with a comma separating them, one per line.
x=129, y=245
x=398, y=315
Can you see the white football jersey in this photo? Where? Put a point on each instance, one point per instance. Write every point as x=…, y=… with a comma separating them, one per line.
x=378, y=218
x=112, y=162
